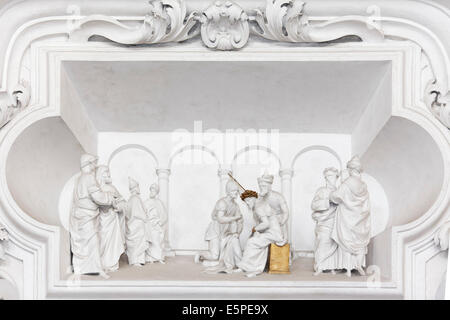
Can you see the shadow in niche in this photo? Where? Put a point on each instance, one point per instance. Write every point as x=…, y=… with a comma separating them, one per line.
x=396, y=159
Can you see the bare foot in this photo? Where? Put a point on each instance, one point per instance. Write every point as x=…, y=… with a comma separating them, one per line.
x=237, y=270
x=319, y=271
x=104, y=275
x=162, y=261
x=333, y=272
x=251, y=274
x=349, y=273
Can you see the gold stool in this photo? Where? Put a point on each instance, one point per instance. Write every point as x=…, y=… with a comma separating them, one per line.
x=279, y=259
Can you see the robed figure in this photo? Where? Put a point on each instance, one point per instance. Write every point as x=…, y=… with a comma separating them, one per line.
x=135, y=219
x=352, y=226
x=276, y=201
x=325, y=249
x=267, y=231
x=155, y=226
x=84, y=237
x=110, y=231
x=230, y=221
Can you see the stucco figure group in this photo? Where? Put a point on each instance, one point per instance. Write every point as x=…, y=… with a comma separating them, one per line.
x=103, y=225
x=342, y=215
x=271, y=214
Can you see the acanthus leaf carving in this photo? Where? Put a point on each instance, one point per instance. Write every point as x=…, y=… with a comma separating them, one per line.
x=285, y=20
x=12, y=102
x=224, y=26
x=438, y=102
x=167, y=21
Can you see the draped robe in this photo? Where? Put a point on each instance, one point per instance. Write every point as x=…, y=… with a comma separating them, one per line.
x=135, y=230
x=229, y=230
x=324, y=214
x=111, y=237
x=268, y=231
x=352, y=226
x=154, y=230
x=84, y=237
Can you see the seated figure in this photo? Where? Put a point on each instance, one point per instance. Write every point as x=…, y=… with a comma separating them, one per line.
x=268, y=231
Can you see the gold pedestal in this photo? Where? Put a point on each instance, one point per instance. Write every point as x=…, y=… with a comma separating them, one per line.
x=279, y=259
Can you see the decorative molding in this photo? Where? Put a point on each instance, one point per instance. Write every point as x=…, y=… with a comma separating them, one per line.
x=285, y=20
x=11, y=103
x=4, y=237
x=438, y=103
x=224, y=26
x=166, y=22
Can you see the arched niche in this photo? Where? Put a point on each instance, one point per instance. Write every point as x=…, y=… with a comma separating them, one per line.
x=308, y=166
x=41, y=160
x=134, y=161
x=248, y=164
x=40, y=163
x=193, y=191
x=408, y=164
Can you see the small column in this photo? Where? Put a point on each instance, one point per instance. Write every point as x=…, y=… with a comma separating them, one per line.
x=286, y=189
x=224, y=177
x=163, y=182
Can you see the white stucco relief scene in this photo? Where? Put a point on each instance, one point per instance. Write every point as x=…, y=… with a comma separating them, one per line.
x=169, y=148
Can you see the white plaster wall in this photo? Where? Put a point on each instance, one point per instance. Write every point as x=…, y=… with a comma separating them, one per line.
x=396, y=159
x=40, y=162
x=194, y=183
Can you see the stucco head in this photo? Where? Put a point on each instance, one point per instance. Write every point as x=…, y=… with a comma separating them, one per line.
x=354, y=164
x=133, y=185
x=88, y=159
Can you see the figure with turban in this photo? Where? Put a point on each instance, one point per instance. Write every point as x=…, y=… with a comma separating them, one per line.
x=324, y=214
x=351, y=230
x=84, y=237
x=135, y=232
x=276, y=201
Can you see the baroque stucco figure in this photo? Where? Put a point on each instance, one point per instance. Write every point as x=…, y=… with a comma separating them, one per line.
x=324, y=215
x=267, y=231
x=135, y=220
x=110, y=231
x=276, y=201
x=156, y=226
x=87, y=199
x=351, y=229
x=223, y=231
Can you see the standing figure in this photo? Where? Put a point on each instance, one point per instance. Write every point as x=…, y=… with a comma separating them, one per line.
x=231, y=223
x=84, y=238
x=156, y=226
x=135, y=219
x=352, y=226
x=4, y=237
x=276, y=201
x=111, y=237
x=324, y=215
x=267, y=231
x=225, y=211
